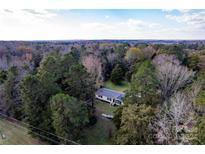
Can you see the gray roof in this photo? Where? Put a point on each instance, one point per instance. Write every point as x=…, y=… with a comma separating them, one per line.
x=110, y=93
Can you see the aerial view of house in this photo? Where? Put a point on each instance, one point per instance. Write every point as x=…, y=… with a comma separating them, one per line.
x=102, y=77
x=111, y=96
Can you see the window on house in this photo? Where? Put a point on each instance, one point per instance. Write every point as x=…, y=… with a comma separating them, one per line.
x=118, y=102
x=109, y=99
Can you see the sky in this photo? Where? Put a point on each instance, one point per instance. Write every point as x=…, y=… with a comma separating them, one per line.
x=30, y=24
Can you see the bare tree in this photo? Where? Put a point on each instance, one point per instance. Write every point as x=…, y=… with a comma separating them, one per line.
x=148, y=52
x=177, y=117
x=112, y=58
x=164, y=58
x=171, y=74
x=93, y=65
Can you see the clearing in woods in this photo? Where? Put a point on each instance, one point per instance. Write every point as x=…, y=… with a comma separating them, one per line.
x=122, y=87
x=103, y=131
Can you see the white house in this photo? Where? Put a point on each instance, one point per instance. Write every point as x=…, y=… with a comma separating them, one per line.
x=111, y=96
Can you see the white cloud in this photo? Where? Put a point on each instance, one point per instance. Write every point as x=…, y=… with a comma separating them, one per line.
x=194, y=20
x=24, y=17
x=134, y=24
x=180, y=10
x=185, y=10
x=129, y=29
x=167, y=10
x=26, y=24
x=155, y=25
x=95, y=26
x=45, y=24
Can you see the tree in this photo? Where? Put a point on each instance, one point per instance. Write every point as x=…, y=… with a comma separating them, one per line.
x=174, y=49
x=93, y=64
x=50, y=73
x=193, y=62
x=144, y=85
x=9, y=94
x=176, y=117
x=148, y=52
x=133, y=54
x=121, y=49
x=118, y=116
x=3, y=76
x=11, y=102
x=117, y=74
x=78, y=83
x=178, y=51
x=199, y=103
x=171, y=75
x=75, y=53
x=69, y=116
x=199, y=131
x=200, y=100
x=50, y=67
x=135, y=125
x=67, y=61
x=53, y=75
x=36, y=91
x=37, y=57
x=35, y=104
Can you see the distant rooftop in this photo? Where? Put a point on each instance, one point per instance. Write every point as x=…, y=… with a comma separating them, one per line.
x=110, y=93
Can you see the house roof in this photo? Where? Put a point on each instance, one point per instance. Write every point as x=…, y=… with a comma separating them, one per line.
x=110, y=93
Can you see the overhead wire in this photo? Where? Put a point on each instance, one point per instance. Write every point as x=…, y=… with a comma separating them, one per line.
x=59, y=137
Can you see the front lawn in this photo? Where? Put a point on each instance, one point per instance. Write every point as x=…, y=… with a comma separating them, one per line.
x=122, y=87
x=105, y=107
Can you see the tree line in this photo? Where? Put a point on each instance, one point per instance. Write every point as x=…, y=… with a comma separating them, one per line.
x=163, y=105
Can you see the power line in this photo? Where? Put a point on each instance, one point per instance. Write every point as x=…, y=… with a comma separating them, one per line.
x=60, y=137
x=19, y=126
x=7, y=127
x=40, y=129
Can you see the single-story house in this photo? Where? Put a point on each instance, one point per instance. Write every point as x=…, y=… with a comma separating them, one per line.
x=111, y=96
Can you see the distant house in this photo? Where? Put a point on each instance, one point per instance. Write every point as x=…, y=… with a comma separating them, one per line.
x=111, y=96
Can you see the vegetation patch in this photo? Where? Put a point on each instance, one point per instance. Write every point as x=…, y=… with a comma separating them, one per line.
x=11, y=134
x=103, y=131
x=122, y=87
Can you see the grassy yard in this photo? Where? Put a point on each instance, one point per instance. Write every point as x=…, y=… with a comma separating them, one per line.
x=15, y=135
x=103, y=130
x=105, y=107
x=122, y=87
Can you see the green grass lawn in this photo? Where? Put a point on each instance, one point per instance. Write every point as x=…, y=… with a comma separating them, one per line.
x=122, y=87
x=15, y=135
x=103, y=130
x=105, y=107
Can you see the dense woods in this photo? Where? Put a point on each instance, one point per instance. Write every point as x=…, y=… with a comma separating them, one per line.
x=51, y=86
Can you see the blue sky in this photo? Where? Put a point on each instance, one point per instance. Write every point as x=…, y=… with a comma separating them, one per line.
x=101, y=24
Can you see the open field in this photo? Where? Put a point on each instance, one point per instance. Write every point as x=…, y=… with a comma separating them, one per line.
x=122, y=87
x=103, y=130
x=15, y=135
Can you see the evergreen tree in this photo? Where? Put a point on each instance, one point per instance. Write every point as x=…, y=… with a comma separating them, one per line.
x=3, y=76
x=11, y=94
x=35, y=98
x=78, y=83
x=117, y=74
x=135, y=125
x=144, y=84
x=69, y=116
